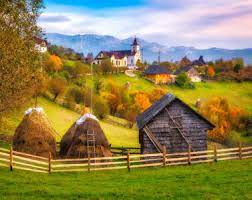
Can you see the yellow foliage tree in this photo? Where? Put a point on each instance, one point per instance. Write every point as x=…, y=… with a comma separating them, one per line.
x=54, y=63
x=142, y=101
x=224, y=116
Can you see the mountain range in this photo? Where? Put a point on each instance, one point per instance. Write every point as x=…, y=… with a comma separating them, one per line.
x=95, y=43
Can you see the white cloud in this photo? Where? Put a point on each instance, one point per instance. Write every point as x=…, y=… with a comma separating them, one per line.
x=222, y=24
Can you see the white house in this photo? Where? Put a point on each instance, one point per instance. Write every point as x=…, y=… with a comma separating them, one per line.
x=41, y=45
x=123, y=58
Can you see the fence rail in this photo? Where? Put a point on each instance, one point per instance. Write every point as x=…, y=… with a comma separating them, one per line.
x=28, y=162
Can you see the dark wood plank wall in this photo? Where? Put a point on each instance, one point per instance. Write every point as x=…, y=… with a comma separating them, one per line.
x=193, y=127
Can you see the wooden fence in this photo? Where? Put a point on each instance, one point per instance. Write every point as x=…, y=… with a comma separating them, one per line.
x=17, y=160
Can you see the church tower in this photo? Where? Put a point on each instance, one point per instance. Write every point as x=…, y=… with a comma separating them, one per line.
x=135, y=50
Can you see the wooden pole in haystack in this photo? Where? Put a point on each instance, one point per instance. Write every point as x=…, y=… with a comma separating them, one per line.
x=11, y=158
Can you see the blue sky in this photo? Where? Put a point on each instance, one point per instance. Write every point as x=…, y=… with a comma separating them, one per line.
x=199, y=23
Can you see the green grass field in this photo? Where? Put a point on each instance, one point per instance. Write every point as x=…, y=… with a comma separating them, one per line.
x=222, y=180
x=239, y=94
x=62, y=118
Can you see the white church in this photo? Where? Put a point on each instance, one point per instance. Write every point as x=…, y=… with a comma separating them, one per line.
x=123, y=58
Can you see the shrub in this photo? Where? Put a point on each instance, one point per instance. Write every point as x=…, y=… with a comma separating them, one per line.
x=100, y=108
x=76, y=93
x=184, y=81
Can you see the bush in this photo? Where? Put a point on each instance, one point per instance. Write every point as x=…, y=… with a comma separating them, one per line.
x=76, y=94
x=100, y=108
x=184, y=81
x=57, y=86
x=233, y=139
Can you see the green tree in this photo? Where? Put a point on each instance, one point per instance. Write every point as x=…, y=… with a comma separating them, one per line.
x=184, y=81
x=19, y=60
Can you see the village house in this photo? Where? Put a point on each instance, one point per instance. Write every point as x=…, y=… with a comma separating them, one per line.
x=41, y=45
x=191, y=72
x=171, y=125
x=158, y=74
x=123, y=58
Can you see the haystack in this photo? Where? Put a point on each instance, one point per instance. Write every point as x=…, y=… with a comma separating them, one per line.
x=75, y=144
x=35, y=135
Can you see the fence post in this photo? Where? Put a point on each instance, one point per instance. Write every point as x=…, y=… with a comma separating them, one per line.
x=240, y=150
x=189, y=154
x=128, y=161
x=49, y=162
x=11, y=158
x=215, y=153
x=164, y=156
x=89, y=163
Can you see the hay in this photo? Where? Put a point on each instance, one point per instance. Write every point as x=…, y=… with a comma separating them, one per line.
x=74, y=142
x=35, y=135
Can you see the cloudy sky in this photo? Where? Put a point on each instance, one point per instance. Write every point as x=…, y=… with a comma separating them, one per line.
x=198, y=23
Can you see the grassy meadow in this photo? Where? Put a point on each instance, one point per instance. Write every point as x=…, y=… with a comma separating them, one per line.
x=239, y=94
x=222, y=180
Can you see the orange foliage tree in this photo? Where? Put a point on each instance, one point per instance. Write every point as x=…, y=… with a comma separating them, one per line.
x=224, y=116
x=54, y=63
x=142, y=101
x=156, y=94
x=210, y=72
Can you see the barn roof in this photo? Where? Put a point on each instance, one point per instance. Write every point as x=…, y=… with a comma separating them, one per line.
x=118, y=54
x=159, y=105
x=156, y=69
x=183, y=69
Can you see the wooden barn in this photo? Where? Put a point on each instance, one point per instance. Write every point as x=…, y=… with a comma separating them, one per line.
x=158, y=74
x=172, y=124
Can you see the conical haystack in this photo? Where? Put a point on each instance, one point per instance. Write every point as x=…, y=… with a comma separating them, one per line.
x=74, y=143
x=35, y=135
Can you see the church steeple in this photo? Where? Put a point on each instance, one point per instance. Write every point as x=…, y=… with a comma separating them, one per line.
x=135, y=48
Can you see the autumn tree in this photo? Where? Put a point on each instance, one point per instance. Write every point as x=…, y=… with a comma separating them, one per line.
x=19, y=60
x=57, y=86
x=224, y=116
x=142, y=101
x=106, y=66
x=156, y=94
x=54, y=63
x=210, y=72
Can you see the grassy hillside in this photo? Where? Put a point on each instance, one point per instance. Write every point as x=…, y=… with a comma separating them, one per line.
x=239, y=94
x=222, y=180
x=62, y=118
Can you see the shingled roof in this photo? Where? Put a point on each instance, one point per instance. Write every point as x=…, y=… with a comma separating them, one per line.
x=182, y=70
x=158, y=106
x=156, y=69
